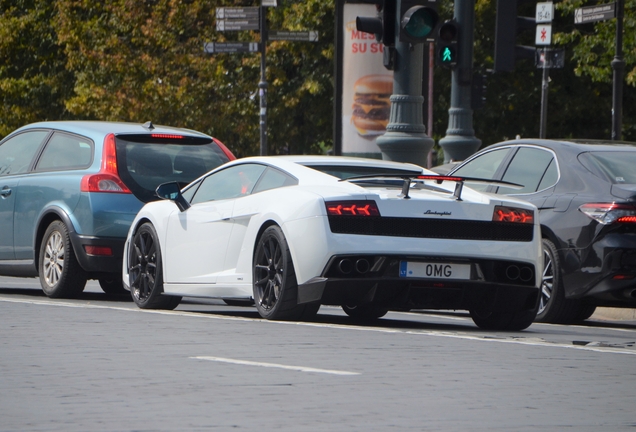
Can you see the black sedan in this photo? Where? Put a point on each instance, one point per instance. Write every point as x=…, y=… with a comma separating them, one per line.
x=586, y=194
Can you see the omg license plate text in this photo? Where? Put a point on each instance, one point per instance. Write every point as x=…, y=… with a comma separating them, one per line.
x=434, y=270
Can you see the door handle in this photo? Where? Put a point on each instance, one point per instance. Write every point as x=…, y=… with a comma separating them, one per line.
x=5, y=192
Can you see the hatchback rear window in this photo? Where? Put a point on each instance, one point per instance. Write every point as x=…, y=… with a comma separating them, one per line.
x=617, y=166
x=144, y=163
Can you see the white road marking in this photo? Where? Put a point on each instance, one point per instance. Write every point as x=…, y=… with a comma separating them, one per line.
x=519, y=340
x=275, y=365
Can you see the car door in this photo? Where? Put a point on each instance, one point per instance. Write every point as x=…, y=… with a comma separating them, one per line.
x=16, y=157
x=197, y=239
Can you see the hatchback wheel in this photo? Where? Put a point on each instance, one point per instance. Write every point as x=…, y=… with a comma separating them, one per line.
x=60, y=273
x=145, y=272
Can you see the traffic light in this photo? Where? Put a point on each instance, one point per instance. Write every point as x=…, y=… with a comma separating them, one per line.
x=478, y=91
x=418, y=20
x=447, y=49
x=508, y=27
x=383, y=25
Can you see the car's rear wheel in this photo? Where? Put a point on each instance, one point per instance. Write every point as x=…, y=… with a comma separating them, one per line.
x=60, y=273
x=585, y=311
x=553, y=306
x=274, y=280
x=145, y=271
x=112, y=284
x=365, y=312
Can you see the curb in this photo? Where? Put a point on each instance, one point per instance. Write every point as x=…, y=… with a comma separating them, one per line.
x=614, y=314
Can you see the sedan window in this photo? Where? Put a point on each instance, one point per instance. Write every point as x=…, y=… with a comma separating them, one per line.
x=483, y=167
x=17, y=152
x=232, y=182
x=528, y=169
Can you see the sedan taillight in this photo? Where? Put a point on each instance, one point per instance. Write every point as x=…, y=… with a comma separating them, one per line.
x=352, y=208
x=608, y=213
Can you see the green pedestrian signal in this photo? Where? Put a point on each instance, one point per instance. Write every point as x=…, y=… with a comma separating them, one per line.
x=447, y=55
x=447, y=44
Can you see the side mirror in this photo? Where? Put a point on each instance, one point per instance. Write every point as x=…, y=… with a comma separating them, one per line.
x=171, y=191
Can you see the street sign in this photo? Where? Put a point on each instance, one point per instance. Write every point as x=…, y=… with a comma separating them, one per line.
x=237, y=13
x=544, y=12
x=308, y=36
x=544, y=34
x=594, y=13
x=271, y=3
x=547, y=58
x=230, y=47
x=235, y=25
x=236, y=19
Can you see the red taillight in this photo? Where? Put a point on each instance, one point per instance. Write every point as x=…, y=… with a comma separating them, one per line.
x=352, y=208
x=166, y=136
x=439, y=178
x=98, y=250
x=607, y=213
x=513, y=214
x=107, y=180
x=224, y=149
x=623, y=277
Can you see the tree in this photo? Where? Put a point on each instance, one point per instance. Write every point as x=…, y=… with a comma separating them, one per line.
x=33, y=79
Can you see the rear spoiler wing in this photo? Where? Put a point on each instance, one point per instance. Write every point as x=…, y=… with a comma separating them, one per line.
x=439, y=179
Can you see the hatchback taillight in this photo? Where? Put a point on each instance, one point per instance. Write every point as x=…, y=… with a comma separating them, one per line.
x=512, y=214
x=107, y=179
x=608, y=213
x=352, y=208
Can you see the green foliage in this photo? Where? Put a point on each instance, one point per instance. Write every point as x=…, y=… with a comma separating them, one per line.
x=139, y=60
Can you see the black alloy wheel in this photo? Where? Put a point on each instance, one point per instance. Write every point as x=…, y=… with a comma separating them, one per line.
x=60, y=273
x=145, y=271
x=274, y=280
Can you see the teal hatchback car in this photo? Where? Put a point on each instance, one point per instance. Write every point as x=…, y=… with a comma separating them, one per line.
x=69, y=191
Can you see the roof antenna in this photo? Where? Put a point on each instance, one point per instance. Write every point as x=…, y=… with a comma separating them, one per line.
x=148, y=125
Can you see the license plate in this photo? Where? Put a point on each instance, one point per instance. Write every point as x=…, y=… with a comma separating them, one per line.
x=434, y=270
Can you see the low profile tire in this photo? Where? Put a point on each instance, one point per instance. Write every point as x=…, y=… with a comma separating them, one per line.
x=274, y=280
x=553, y=306
x=145, y=271
x=585, y=311
x=365, y=312
x=60, y=274
x=112, y=285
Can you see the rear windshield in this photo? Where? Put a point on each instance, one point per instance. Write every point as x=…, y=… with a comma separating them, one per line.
x=617, y=166
x=344, y=172
x=145, y=165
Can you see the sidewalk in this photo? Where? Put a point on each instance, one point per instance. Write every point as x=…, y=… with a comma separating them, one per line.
x=614, y=314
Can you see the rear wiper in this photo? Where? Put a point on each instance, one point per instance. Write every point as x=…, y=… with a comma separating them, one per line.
x=439, y=179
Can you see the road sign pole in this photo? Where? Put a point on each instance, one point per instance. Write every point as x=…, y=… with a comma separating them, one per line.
x=262, y=85
x=544, y=95
x=618, y=66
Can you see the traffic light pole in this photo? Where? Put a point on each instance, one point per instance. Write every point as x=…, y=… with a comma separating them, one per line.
x=618, y=66
x=405, y=139
x=460, y=141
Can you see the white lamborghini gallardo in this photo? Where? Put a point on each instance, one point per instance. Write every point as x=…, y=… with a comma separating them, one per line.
x=290, y=233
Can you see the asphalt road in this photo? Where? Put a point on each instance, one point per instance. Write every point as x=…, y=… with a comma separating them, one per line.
x=100, y=364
